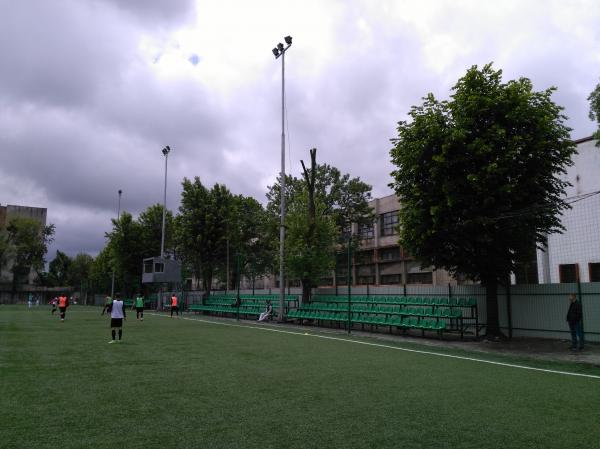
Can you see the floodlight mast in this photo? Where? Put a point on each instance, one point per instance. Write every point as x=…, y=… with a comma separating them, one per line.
x=112, y=284
x=165, y=151
x=280, y=51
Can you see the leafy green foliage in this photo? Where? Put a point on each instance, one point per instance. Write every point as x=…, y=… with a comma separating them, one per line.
x=203, y=228
x=310, y=247
x=150, y=222
x=5, y=249
x=339, y=200
x=80, y=270
x=29, y=241
x=58, y=270
x=594, y=100
x=126, y=247
x=101, y=271
x=345, y=199
x=478, y=177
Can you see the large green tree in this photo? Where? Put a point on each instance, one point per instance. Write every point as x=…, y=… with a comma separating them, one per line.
x=150, y=222
x=249, y=239
x=5, y=250
x=345, y=199
x=478, y=178
x=29, y=241
x=126, y=247
x=323, y=201
x=101, y=271
x=80, y=271
x=202, y=228
x=594, y=100
x=58, y=270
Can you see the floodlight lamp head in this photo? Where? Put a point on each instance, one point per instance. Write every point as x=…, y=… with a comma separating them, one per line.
x=276, y=52
x=280, y=46
x=166, y=150
x=120, y=191
x=288, y=40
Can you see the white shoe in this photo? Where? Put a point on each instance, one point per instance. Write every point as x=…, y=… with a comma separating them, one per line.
x=112, y=341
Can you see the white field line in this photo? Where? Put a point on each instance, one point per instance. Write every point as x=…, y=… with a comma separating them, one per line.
x=379, y=345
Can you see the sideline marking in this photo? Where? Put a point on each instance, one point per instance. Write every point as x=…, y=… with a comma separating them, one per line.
x=379, y=345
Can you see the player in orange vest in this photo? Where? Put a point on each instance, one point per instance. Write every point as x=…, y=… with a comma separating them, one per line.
x=174, y=306
x=63, y=303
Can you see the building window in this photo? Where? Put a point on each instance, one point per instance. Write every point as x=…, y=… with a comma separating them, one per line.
x=389, y=221
x=366, y=280
x=363, y=257
x=148, y=266
x=388, y=254
x=594, y=272
x=366, y=231
x=420, y=278
x=568, y=273
x=159, y=267
x=391, y=279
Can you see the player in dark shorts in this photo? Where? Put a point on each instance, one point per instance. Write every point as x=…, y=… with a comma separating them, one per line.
x=139, y=307
x=63, y=303
x=117, y=315
x=174, y=306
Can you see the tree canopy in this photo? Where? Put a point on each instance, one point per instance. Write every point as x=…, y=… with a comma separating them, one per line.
x=478, y=177
x=320, y=206
x=28, y=240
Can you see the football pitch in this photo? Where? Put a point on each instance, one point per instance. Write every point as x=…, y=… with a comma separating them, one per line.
x=197, y=383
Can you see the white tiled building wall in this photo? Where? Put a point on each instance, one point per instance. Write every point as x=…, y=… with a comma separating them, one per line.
x=580, y=242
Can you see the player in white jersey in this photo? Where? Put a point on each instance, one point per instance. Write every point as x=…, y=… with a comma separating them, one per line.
x=117, y=315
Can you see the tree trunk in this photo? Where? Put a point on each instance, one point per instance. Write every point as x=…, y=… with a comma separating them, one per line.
x=493, y=321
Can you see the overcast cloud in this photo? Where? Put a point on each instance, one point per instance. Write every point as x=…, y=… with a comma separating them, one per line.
x=91, y=91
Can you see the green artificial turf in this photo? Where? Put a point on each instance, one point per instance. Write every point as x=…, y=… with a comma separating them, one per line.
x=189, y=384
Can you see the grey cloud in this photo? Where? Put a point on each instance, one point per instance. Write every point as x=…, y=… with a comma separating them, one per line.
x=155, y=10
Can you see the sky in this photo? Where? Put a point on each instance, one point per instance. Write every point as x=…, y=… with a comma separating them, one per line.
x=91, y=91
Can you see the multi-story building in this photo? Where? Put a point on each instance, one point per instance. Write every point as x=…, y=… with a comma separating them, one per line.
x=575, y=254
x=7, y=213
x=380, y=260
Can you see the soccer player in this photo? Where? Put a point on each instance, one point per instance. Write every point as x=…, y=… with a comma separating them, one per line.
x=174, y=306
x=139, y=307
x=54, y=302
x=117, y=315
x=63, y=303
x=107, y=304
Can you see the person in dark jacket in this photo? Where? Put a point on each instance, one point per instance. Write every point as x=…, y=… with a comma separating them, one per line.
x=575, y=320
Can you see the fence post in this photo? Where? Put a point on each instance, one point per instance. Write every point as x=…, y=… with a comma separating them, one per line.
x=581, y=302
x=509, y=310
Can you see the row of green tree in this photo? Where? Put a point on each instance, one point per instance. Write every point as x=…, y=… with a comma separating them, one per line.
x=217, y=234
x=479, y=178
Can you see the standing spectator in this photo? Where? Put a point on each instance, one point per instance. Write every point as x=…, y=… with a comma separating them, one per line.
x=174, y=305
x=117, y=315
x=63, y=303
x=575, y=320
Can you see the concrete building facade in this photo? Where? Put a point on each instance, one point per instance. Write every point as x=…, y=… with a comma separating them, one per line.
x=380, y=260
x=575, y=254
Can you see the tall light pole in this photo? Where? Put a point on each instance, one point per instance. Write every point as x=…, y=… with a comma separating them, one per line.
x=280, y=51
x=165, y=151
x=112, y=286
